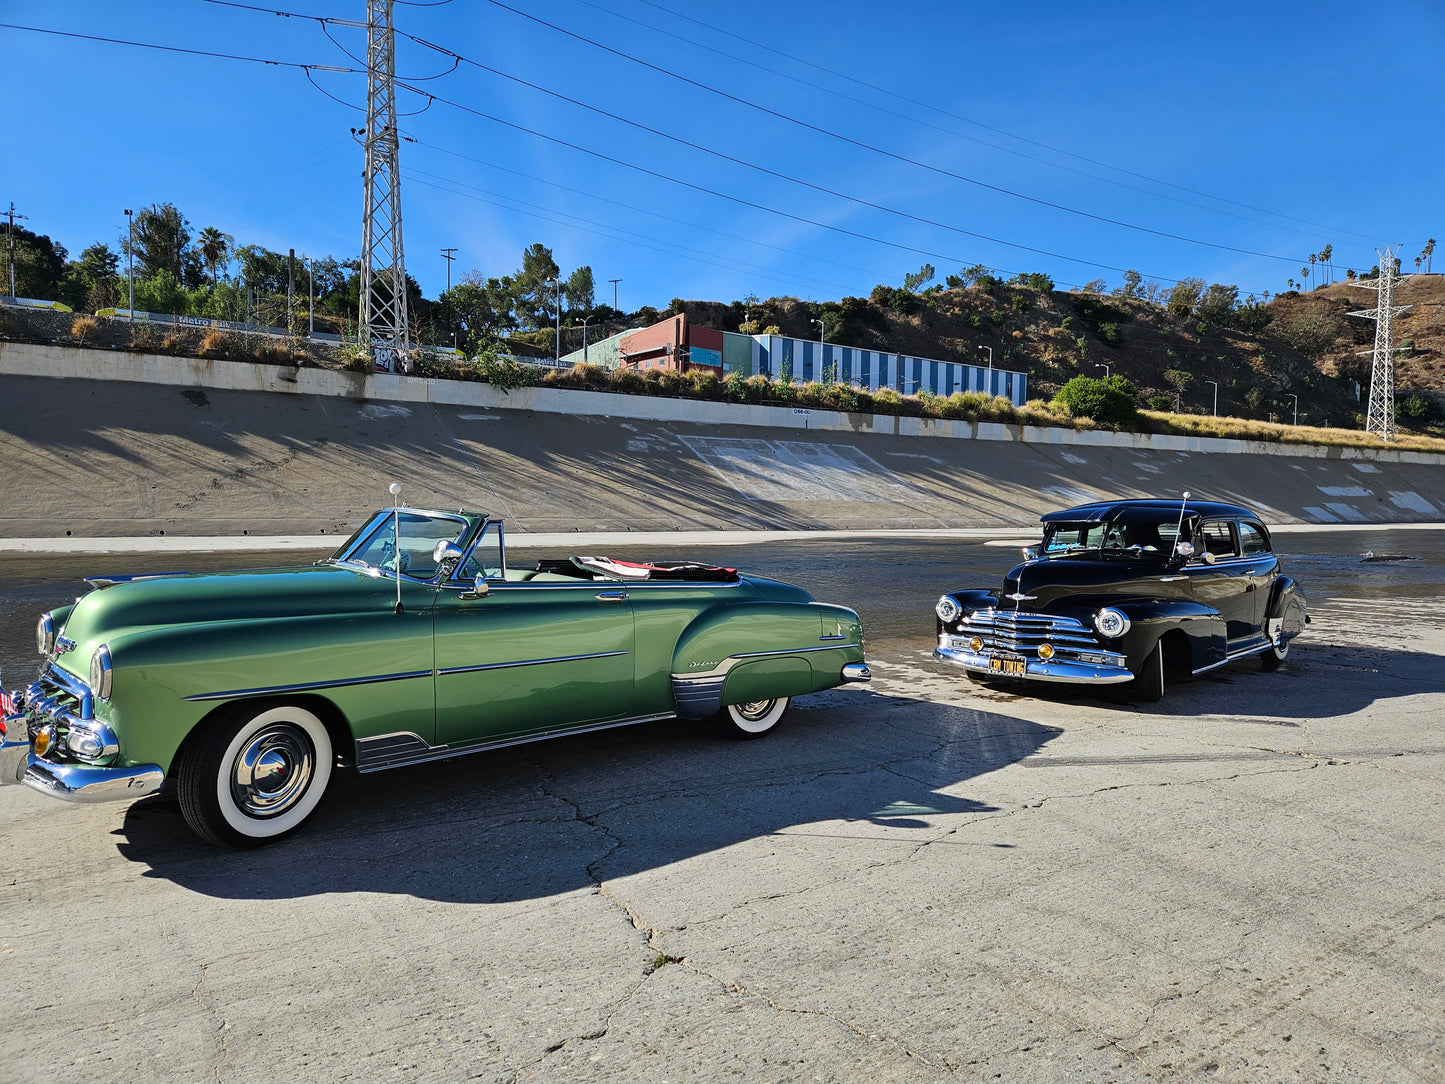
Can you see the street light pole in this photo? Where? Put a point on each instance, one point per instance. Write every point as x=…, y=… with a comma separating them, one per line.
x=557, y=283
x=130, y=263
x=822, y=349
x=1215, y=411
x=584, y=337
x=1101, y=365
x=1296, y=408
x=988, y=388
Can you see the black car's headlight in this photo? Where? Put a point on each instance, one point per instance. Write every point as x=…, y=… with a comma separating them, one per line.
x=947, y=609
x=1111, y=623
x=100, y=676
x=45, y=634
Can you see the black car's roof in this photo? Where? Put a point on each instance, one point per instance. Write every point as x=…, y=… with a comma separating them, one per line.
x=1138, y=511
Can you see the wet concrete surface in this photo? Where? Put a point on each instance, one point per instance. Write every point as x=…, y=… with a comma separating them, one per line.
x=917, y=880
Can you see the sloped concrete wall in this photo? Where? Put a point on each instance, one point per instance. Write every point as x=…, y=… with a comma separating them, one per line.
x=98, y=444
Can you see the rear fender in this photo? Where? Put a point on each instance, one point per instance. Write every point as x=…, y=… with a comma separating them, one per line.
x=1287, y=613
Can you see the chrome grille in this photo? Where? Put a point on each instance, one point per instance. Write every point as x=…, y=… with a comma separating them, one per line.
x=58, y=696
x=1012, y=630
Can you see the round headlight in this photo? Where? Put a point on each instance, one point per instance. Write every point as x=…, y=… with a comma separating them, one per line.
x=45, y=634
x=1111, y=623
x=948, y=609
x=100, y=672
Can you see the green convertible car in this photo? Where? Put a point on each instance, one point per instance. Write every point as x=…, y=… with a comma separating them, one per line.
x=416, y=641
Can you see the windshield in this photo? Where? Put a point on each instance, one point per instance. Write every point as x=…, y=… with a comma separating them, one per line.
x=1134, y=540
x=419, y=536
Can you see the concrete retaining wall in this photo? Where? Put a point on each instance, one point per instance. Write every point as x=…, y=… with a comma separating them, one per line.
x=102, y=443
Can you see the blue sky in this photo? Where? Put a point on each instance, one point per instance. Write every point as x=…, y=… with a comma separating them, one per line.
x=1245, y=131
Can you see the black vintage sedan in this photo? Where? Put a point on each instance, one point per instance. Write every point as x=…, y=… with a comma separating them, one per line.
x=1129, y=591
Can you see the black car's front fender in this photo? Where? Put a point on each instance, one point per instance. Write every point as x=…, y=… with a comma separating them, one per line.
x=1201, y=639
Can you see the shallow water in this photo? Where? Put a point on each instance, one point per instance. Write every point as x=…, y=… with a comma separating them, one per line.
x=892, y=584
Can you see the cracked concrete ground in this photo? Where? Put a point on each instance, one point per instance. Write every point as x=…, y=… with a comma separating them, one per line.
x=921, y=880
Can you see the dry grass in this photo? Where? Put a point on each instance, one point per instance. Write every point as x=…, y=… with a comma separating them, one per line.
x=1278, y=433
x=82, y=326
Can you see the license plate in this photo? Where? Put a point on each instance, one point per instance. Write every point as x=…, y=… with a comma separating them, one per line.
x=1009, y=665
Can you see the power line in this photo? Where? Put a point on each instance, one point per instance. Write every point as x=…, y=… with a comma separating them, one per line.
x=1002, y=190
x=995, y=130
x=179, y=49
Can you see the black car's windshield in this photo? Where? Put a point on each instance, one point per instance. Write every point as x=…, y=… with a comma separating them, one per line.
x=1142, y=540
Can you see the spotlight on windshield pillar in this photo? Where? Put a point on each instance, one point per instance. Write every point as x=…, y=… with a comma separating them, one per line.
x=394, y=489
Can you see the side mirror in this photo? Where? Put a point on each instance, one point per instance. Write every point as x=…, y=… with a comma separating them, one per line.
x=445, y=550
x=1030, y=554
x=1208, y=558
x=479, y=589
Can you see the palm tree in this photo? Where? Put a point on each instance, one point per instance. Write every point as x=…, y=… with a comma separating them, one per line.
x=1327, y=254
x=215, y=250
x=1427, y=252
x=1313, y=257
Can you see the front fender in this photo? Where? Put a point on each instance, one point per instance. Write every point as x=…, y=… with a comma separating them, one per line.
x=1150, y=620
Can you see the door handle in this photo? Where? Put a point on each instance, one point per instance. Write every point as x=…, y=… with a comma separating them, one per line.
x=612, y=596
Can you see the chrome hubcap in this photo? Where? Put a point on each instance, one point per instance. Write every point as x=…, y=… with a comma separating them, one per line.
x=273, y=771
x=755, y=710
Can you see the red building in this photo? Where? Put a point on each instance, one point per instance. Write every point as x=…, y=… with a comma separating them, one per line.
x=673, y=344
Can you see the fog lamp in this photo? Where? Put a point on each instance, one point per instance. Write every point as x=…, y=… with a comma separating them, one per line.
x=91, y=741
x=41, y=739
x=1046, y=651
x=975, y=644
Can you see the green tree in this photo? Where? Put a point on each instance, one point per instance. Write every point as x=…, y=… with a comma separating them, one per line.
x=918, y=279
x=1114, y=401
x=1184, y=295
x=1217, y=304
x=579, y=291
x=162, y=237
x=534, y=301
x=1131, y=287
x=215, y=249
x=92, y=281
x=40, y=265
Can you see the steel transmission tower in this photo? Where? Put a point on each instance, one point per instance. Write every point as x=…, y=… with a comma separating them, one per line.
x=1380, y=417
x=383, y=269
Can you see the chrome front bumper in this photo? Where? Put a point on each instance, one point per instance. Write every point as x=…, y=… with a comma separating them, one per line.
x=1060, y=670
x=70, y=781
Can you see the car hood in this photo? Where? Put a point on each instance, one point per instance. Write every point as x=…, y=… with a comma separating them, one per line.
x=251, y=594
x=1073, y=579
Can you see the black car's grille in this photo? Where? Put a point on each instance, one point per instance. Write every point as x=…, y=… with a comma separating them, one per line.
x=1011, y=630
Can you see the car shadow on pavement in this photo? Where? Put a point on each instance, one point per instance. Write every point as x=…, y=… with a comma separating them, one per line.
x=536, y=821
x=1319, y=681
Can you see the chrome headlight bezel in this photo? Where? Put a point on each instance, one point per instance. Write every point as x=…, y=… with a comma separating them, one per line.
x=92, y=741
x=100, y=672
x=1111, y=623
x=947, y=609
x=45, y=634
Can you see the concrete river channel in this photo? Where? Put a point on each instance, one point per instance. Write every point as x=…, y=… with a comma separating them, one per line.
x=915, y=880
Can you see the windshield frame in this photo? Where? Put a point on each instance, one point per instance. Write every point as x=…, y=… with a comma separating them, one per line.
x=345, y=555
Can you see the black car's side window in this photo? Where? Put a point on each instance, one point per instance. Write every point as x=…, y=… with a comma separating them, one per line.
x=1216, y=538
x=1251, y=540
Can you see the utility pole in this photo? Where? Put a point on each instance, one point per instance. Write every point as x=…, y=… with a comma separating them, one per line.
x=130, y=262
x=383, y=268
x=1380, y=417
x=614, y=294
x=447, y=255
x=13, y=217
x=290, y=288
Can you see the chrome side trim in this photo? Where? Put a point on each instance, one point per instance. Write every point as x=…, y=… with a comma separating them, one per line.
x=308, y=686
x=723, y=668
x=86, y=784
x=446, y=752
x=527, y=662
x=1233, y=656
x=697, y=698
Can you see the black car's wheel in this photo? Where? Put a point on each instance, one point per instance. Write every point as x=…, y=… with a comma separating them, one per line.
x=1274, y=658
x=1149, y=685
x=753, y=720
x=255, y=777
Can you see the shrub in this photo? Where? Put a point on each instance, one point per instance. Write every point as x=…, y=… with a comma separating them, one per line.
x=888, y=401
x=1070, y=325
x=705, y=384
x=1109, y=332
x=1160, y=402
x=996, y=316
x=215, y=343
x=1113, y=401
x=1019, y=302
x=82, y=326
